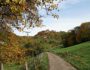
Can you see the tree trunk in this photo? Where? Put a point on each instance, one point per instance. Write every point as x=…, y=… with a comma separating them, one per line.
x=26, y=66
x=1, y=66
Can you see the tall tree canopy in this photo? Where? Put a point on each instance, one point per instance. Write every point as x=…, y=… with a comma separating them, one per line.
x=19, y=12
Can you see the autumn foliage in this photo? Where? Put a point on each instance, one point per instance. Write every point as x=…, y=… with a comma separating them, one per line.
x=77, y=35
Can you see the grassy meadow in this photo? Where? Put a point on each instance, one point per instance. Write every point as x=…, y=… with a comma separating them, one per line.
x=78, y=55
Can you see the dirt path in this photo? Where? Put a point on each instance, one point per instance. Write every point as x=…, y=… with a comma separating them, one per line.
x=57, y=63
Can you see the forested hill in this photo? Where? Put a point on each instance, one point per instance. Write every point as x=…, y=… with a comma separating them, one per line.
x=75, y=36
x=49, y=38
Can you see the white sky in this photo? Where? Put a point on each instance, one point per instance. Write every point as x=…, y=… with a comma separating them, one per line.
x=72, y=13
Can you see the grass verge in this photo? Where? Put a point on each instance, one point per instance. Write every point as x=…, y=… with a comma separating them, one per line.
x=35, y=63
x=78, y=55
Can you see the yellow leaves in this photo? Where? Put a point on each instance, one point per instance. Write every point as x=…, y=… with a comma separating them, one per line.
x=22, y=1
x=16, y=1
x=49, y=1
x=11, y=54
x=7, y=1
x=14, y=9
x=17, y=10
x=17, y=7
x=54, y=6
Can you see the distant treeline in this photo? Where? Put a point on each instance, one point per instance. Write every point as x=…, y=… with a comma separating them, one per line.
x=21, y=47
x=77, y=35
x=46, y=39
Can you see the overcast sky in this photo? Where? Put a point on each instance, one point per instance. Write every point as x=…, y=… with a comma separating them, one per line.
x=72, y=13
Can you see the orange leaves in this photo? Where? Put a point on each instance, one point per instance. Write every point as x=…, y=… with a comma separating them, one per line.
x=14, y=8
x=10, y=54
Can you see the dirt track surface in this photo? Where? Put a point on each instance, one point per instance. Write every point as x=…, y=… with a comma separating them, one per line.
x=57, y=63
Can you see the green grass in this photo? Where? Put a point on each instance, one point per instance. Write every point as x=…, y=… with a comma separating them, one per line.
x=39, y=63
x=13, y=67
x=35, y=63
x=44, y=61
x=78, y=55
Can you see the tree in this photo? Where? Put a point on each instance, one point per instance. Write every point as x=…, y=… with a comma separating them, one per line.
x=33, y=49
x=9, y=54
x=78, y=34
x=72, y=38
x=14, y=12
x=17, y=13
x=85, y=31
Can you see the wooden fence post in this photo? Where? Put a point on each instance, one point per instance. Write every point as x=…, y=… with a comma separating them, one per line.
x=26, y=65
x=1, y=66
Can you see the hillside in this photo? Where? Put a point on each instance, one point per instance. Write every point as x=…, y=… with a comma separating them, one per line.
x=78, y=55
x=64, y=44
